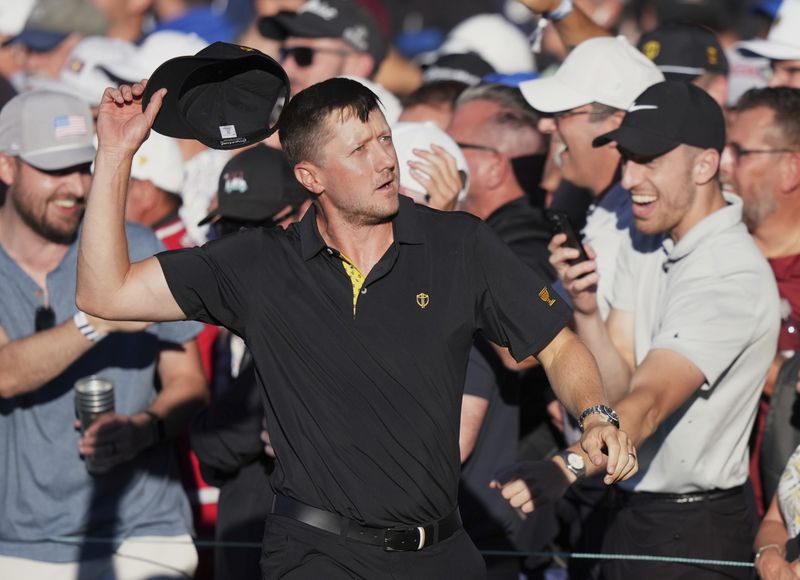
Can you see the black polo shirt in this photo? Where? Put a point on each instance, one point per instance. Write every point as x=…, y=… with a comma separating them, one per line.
x=364, y=409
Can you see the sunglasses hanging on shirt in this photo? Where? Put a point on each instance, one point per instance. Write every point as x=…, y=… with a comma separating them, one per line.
x=45, y=318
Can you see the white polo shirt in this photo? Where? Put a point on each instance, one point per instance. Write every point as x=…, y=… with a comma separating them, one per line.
x=712, y=298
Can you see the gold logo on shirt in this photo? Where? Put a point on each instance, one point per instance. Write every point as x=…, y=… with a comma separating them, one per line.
x=423, y=300
x=544, y=294
x=651, y=49
x=712, y=55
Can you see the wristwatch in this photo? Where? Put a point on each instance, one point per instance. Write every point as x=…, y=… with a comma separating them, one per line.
x=574, y=463
x=607, y=412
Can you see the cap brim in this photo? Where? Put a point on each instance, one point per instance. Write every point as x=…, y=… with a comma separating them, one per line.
x=61, y=159
x=637, y=141
x=769, y=49
x=38, y=40
x=209, y=217
x=550, y=95
x=274, y=27
x=171, y=76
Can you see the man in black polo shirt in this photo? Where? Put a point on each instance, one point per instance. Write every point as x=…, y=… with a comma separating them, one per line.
x=359, y=319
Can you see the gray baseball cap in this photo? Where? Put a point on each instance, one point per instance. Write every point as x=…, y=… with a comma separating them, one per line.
x=48, y=130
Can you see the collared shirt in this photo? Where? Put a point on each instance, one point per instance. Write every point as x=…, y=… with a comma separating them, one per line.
x=711, y=298
x=364, y=410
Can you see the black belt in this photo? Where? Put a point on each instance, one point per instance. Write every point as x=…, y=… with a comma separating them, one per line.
x=394, y=539
x=634, y=497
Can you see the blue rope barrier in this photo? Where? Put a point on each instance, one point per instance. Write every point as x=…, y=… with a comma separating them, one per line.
x=510, y=553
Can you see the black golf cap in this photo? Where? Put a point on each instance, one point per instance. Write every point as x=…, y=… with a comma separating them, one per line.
x=255, y=185
x=343, y=19
x=684, y=51
x=666, y=115
x=226, y=96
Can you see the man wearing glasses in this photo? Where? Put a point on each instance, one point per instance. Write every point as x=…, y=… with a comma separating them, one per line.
x=587, y=97
x=326, y=39
x=761, y=163
x=46, y=345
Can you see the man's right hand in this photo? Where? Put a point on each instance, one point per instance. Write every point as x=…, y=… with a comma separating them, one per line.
x=121, y=124
x=579, y=280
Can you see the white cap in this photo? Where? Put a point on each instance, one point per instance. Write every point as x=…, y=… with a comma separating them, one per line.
x=13, y=15
x=48, y=130
x=156, y=49
x=159, y=160
x=409, y=136
x=495, y=40
x=390, y=105
x=82, y=74
x=602, y=70
x=783, y=40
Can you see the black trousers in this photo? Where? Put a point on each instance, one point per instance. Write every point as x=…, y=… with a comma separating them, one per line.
x=720, y=529
x=293, y=550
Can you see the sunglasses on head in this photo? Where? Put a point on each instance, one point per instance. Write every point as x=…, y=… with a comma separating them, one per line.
x=304, y=55
x=45, y=318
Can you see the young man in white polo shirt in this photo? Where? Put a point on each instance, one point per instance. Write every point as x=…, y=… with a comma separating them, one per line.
x=690, y=337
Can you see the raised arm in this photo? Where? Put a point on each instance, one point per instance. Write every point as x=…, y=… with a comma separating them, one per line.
x=109, y=286
x=572, y=29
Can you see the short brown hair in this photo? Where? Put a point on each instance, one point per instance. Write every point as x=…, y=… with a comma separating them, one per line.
x=302, y=124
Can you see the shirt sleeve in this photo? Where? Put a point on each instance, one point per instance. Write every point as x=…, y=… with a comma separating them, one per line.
x=212, y=283
x=515, y=307
x=142, y=243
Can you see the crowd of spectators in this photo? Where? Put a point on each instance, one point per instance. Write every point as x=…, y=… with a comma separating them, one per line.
x=666, y=132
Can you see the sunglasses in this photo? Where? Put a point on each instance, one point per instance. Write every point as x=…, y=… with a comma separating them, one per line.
x=45, y=318
x=304, y=55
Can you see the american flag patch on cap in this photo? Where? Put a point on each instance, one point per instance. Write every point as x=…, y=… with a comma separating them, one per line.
x=69, y=126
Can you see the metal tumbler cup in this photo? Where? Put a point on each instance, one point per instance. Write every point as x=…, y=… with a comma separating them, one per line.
x=94, y=396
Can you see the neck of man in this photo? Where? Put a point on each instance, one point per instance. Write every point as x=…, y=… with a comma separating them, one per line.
x=363, y=244
x=708, y=199
x=778, y=235
x=36, y=255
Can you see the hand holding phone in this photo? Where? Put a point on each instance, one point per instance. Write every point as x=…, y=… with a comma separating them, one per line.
x=562, y=224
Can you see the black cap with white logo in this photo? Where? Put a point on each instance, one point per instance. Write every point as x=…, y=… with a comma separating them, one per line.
x=255, y=185
x=226, y=96
x=666, y=115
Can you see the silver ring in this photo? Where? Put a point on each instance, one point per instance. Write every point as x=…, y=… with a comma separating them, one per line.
x=632, y=454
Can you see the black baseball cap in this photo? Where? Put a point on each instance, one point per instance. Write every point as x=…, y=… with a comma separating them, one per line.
x=255, y=185
x=666, y=115
x=684, y=51
x=343, y=19
x=226, y=96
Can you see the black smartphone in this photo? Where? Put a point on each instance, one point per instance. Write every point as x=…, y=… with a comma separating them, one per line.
x=562, y=224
